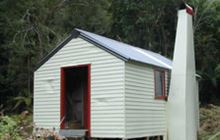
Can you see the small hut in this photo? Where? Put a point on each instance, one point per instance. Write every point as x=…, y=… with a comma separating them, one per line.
x=103, y=87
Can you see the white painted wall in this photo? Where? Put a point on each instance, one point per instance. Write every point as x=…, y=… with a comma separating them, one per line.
x=144, y=115
x=107, y=88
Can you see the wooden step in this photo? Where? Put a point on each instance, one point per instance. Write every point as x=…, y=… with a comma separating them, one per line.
x=73, y=133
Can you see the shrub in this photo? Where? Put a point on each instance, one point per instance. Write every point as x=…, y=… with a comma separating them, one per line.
x=9, y=129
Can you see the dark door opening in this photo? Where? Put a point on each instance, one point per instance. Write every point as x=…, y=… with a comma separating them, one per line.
x=75, y=97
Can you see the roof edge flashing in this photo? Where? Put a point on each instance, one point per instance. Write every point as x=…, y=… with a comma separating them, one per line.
x=74, y=34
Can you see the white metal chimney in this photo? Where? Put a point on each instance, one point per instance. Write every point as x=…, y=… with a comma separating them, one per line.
x=182, y=102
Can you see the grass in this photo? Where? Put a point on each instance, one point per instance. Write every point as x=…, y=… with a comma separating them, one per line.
x=209, y=123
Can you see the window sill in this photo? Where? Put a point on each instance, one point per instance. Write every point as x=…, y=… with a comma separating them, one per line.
x=161, y=98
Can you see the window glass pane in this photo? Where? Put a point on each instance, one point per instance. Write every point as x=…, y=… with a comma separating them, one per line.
x=159, y=83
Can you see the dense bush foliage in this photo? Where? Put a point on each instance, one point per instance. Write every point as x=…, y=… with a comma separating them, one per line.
x=29, y=29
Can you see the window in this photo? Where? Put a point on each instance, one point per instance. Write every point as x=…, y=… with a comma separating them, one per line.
x=159, y=84
x=168, y=83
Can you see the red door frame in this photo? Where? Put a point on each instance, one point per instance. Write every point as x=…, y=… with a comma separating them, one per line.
x=87, y=114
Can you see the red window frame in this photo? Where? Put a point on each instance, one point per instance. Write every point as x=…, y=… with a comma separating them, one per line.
x=164, y=94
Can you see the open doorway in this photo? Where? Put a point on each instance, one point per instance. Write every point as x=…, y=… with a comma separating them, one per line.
x=75, y=97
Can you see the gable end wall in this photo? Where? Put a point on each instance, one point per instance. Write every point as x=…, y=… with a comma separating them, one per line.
x=107, y=88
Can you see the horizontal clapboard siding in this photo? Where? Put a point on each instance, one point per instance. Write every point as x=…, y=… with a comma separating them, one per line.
x=144, y=116
x=107, y=88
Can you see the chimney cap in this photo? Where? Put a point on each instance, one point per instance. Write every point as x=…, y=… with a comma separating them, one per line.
x=189, y=9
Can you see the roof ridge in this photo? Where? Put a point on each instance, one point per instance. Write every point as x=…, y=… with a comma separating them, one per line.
x=127, y=45
x=102, y=43
x=108, y=43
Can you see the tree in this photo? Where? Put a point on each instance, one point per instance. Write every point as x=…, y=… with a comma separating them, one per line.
x=146, y=24
x=207, y=39
x=30, y=30
x=152, y=24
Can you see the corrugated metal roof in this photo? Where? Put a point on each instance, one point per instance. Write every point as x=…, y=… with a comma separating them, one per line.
x=127, y=51
x=122, y=50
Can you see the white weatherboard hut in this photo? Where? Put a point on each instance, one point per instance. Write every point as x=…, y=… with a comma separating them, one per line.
x=116, y=88
x=106, y=88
